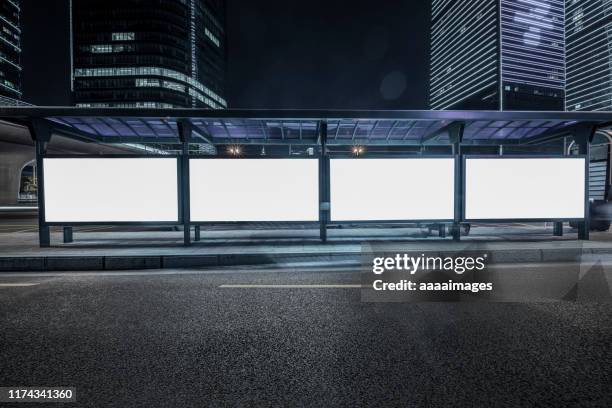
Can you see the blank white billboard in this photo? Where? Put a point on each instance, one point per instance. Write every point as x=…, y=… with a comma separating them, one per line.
x=392, y=189
x=524, y=188
x=254, y=190
x=111, y=190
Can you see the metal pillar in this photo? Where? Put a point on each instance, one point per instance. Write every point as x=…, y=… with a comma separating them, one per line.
x=185, y=130
x=40, y=132
x=456, y=137
x=558, y=226
x=442, y=230
x=68, y=236
x=324, y=183
x=583, y=136
x=198, y=236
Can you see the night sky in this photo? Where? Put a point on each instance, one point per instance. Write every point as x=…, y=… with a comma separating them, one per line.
x=282, y=54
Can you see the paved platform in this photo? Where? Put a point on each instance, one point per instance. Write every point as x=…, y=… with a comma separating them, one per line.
x=101, y=249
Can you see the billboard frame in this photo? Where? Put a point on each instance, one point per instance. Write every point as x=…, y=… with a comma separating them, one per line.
x=465, y=158
x=120, y=223
x=247, y=223
x=401, y=221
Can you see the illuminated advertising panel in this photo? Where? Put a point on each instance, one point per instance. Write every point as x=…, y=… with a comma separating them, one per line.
x=524, y=188
x=111, y=190
x=232, y=190
x=392, y=189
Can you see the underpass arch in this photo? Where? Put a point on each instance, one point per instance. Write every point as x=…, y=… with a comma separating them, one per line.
x=22, y=183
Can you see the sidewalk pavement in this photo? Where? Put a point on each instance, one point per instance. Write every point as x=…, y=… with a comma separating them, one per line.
x=121, y=250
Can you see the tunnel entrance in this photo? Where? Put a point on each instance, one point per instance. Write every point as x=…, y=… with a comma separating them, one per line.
x=28, y=184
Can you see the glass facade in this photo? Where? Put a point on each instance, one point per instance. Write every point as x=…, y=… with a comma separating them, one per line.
x=533, y=54
x=464, y=44
x=497, y=55
x=10, y=52
x=148, y=53
x=589, y=55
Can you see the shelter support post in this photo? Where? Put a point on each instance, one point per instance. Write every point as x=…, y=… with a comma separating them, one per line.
x=185, y=129
x=197, y=233
x=324, y=182
x=40, y=132
x=68, y=236
x=558, y=229
x=442, y=230
x=583, y=136
x=456, y=137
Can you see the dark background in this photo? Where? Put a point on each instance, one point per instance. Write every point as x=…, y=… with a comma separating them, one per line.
x=281, y=54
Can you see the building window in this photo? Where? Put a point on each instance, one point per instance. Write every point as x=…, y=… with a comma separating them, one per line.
x=101, y=49
x=157, y=71
x=146, y=82
x=174, y=86
x=124, y=36
x=109, y=48
x=212, y=37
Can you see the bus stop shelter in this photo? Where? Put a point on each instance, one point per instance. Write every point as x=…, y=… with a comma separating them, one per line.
x=318, y=166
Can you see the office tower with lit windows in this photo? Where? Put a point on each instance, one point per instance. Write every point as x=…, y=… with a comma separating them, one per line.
x=589, y=55
x=148, y=53
x=10, y=53
x=497, y=55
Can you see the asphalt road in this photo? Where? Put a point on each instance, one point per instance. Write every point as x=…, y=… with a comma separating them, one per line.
x=180, y=339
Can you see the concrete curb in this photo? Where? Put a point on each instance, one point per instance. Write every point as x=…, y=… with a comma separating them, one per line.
x=136, y=262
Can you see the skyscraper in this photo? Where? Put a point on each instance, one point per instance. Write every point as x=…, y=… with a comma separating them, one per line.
x=497, y=55
x=148, y=53
x=589, y=55
x=10, y=52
